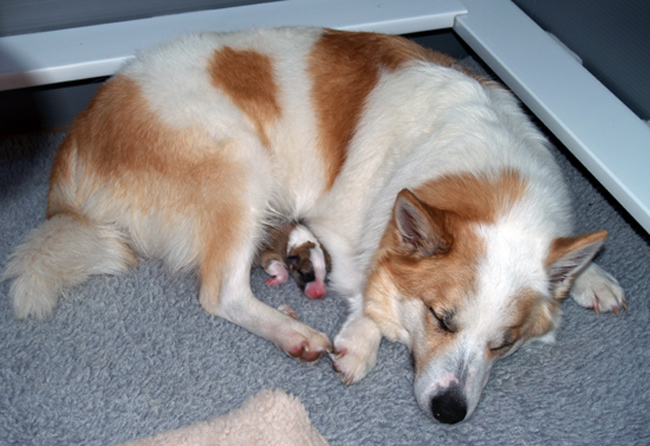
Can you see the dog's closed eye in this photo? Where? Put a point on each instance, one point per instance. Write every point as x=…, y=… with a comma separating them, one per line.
x=503, y=345
x=443, y=320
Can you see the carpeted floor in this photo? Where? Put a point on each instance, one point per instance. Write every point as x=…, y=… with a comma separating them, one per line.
x=125, y=357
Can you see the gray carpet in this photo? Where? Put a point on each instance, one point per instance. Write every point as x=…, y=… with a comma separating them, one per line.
x=129, y=356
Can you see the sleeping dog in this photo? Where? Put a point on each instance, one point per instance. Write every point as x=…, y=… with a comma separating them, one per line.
x=446, y=217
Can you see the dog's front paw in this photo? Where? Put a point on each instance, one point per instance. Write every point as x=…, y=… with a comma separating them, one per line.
x=308, y=351
x=355, y=350
x=353, y=364
x=596, y=289
x=309, y=348
x=301, y=341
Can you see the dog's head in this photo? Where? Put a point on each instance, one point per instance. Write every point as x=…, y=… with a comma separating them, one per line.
x=464, y=281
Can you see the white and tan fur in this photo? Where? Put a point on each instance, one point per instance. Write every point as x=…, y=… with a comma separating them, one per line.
x=445, y=216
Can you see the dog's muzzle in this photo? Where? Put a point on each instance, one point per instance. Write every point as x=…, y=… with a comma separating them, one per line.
x=450, y=406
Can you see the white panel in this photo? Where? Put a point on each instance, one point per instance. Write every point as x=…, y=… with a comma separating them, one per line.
x=610, y=140
x=94, y=51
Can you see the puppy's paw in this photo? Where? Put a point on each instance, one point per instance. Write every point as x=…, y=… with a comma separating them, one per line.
x=355, y=350
x=596, y=289
x=279, y=272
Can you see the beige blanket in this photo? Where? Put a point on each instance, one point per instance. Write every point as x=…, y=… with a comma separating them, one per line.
x=270, y=418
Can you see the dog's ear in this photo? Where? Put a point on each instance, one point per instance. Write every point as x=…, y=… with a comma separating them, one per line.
x=568, y=256
x=421, y=228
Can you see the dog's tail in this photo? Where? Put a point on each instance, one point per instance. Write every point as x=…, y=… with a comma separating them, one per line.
x=63, y=251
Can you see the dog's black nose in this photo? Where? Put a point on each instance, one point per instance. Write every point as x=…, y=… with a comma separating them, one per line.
x=449, y=407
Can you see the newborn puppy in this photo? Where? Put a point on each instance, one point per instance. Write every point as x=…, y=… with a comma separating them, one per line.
x=291, y=248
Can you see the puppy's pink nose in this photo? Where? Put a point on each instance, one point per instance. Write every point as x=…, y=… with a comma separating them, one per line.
x=315, y=290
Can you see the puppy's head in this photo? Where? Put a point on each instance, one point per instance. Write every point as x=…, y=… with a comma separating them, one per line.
x=309, y=262
x=464, y=291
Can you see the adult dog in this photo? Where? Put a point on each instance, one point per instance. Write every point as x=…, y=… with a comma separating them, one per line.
x=446, y=218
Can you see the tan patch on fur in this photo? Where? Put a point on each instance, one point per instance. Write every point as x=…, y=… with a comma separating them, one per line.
x=119, y=163
x=381, y=304
x=536, y=314
x=532, y=316
x=247, y=77
x=62, y=178
x=303, y=250
x=345, y=67
x=474, y=198
x=274, y=246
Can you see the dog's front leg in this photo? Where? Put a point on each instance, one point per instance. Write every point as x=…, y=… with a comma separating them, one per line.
x=230, y=297
x=238, y=305
x=278, y=326
x=356, y=345
x=596, y=289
